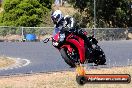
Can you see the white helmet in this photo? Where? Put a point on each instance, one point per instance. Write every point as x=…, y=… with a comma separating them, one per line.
x=56, y=16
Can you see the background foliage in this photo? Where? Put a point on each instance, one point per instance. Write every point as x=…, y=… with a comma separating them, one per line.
x=25, y=12
x=109, y=13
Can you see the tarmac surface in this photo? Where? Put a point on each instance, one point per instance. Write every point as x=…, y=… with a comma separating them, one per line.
x=45, y=58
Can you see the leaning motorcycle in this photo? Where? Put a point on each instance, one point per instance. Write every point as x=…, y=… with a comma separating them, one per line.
x=74, y=49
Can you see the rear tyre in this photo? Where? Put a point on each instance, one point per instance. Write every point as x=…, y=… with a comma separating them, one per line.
x=69, y=59
x=99, y=56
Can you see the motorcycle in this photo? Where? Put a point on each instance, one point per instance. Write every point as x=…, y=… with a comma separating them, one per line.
x=74, y=49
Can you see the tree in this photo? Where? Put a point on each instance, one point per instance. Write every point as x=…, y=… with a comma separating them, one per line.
x=113, y=12
x=25, y=12
x=85, y=9
x=109, y=13
x=46, y=3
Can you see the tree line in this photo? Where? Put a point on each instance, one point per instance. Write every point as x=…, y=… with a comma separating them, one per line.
x=109, y=13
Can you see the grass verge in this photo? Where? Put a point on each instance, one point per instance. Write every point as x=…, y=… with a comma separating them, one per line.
x=5, y=62
x=65, y=79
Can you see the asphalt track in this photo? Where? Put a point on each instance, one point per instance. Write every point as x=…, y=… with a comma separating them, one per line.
x=45, y=58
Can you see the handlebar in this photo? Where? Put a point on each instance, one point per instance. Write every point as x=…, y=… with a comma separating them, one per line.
x=46, y=40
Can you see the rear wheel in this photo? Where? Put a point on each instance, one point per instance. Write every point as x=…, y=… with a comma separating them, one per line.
x=71, y=58
x=99, y=56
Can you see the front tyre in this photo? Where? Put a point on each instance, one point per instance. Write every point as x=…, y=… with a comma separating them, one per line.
x=70, y=58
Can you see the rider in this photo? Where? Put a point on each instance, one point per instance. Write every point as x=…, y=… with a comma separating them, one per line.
x=63, y=23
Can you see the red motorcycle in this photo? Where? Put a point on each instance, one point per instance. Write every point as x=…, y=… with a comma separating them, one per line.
x=74, y=49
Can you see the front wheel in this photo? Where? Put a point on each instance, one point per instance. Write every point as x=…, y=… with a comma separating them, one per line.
x=71, y=58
